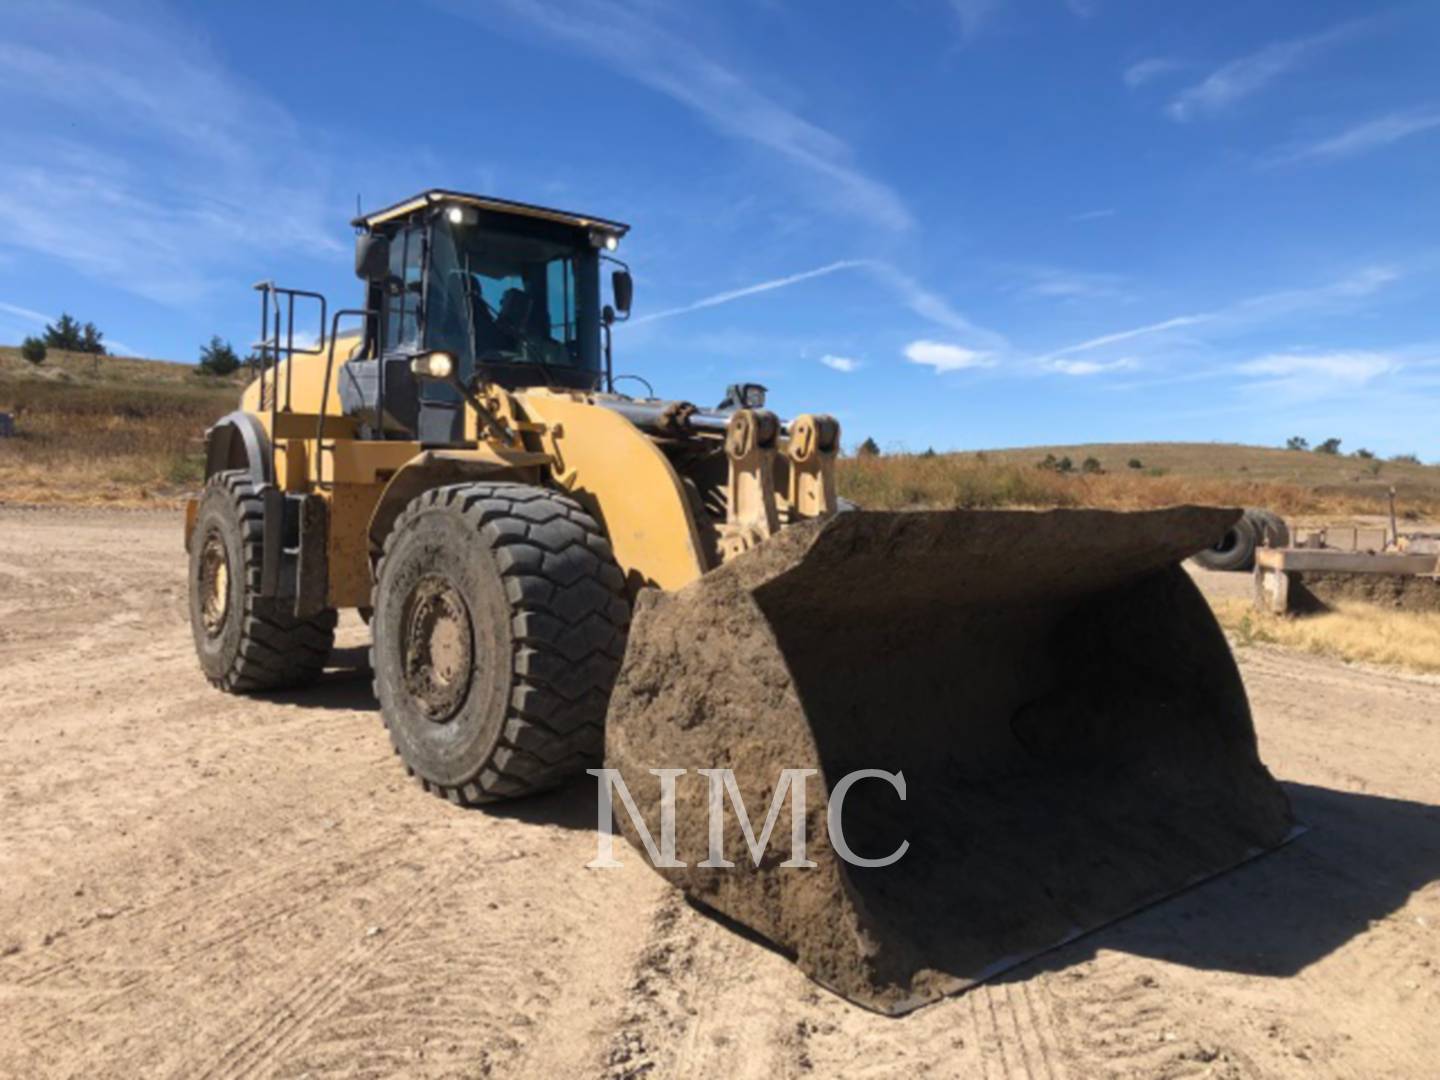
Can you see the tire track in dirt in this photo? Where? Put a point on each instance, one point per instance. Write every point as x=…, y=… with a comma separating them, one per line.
x=241, y=849
x=690, y=1008
x=290, y=1018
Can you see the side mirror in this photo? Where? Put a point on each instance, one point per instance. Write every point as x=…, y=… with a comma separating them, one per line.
x=623, y=286
x=372, y=257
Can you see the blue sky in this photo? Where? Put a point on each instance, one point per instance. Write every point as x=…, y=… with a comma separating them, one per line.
x=953, y=223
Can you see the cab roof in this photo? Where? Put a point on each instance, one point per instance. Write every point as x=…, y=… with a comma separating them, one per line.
x=490, y=204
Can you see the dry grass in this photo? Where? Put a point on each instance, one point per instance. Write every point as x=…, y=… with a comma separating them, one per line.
x=1352, y=632
x=1195, y=473
x=109, y=431
x=126, y=431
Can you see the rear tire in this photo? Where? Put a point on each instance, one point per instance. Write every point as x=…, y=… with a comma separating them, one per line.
x=245, y=642
x=499, y=626
x=1233, y=551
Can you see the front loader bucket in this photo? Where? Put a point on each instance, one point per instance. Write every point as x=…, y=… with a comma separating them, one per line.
x=1073, y=734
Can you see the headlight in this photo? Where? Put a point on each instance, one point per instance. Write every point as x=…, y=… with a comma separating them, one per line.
x=433, y=365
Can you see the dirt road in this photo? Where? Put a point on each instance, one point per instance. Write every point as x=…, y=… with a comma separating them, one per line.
x=201, y=886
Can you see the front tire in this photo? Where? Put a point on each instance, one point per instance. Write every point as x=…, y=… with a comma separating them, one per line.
x=499, y=626
x=245, y=642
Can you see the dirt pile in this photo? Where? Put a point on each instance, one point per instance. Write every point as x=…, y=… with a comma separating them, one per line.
x=1072, y=731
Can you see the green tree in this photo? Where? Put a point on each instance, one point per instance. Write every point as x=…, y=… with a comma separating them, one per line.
x=1329, y=446
x=1134, y=463
x=67, y=335
x=33, y=349
x=1367, y=455
x=64, y=334
x=218, y=358
x=1406, y=459
x=929, y=452
x=92, y=340
x=1092, y=466
x=1297, y=442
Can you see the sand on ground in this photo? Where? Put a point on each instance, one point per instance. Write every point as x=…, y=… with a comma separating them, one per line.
x=199, y=885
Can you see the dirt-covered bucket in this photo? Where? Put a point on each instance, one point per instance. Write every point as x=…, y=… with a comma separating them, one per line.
x=1071, y=730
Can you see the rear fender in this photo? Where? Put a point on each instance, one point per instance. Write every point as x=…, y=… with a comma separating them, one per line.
x=238, y=441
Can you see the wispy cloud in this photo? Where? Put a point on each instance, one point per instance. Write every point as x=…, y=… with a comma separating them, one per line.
x=28, y=314
x=731, y=295
x=918, y=299
x=1077, y=285
x=847, y=364
x=934, y=308
x=1362, y=283
x=1175, y=323
x=1363, y=138
x=973, y=15
x=629, y=38
x=1352, y=368
x=169, y=170
x=1338, y=374
x=1090, y=367
x=1239, y=79
x=1093, y=215
x=946, y=356
x=1150, y=69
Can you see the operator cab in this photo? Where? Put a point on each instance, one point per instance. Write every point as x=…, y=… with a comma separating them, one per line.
x=509, y=292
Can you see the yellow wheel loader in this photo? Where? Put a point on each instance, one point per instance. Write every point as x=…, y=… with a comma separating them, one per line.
x=1035, y=710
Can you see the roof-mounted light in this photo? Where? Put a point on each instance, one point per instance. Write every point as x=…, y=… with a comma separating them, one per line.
x=461, y=215
x=608, y=241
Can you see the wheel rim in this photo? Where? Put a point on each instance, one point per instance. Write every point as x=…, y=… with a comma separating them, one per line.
x=437, y=648
x=214, y=584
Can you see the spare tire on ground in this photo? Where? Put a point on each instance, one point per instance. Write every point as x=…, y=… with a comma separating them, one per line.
x=1236, y=549
x=1233, y=551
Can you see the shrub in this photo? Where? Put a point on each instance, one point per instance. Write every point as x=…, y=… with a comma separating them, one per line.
x=929, y=452
x=1297, y=442
x=218, y=358
x=1053, y=464
x=1406, y=459
x=1091, y=466
x=1134, y=463
x=33, y=349
x=1367, y=455
x=1329, y=446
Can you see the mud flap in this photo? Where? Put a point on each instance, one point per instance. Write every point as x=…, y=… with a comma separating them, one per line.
x=1073, y=734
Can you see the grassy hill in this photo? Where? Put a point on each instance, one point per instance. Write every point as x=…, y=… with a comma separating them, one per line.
x=124, y=431
x=1292, y=482
x=97, y=430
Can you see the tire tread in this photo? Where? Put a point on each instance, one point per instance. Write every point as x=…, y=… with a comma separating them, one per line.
x=568, y=615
